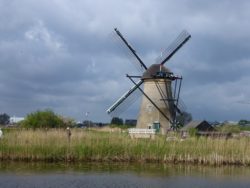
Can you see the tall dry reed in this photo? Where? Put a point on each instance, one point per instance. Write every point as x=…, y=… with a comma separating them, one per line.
x=53, y=145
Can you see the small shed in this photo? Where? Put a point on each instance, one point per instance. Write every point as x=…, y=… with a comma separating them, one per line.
x=200, y=126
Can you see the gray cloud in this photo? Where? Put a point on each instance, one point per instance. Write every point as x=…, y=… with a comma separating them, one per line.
x=61, y=54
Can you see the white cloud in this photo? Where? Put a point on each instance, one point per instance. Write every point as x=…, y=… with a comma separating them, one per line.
x=40, y=34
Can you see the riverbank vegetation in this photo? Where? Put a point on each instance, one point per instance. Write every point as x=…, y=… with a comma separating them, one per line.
x=53, y=145
x=46, y=119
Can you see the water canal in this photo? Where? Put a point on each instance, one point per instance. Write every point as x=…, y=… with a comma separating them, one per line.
x=50, y=175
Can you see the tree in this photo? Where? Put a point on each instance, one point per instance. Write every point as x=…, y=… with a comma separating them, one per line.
x=87, y=123
x=117, y=121
x=184, y=118
x=243, y=122
x=4, y=119
x=43, y=119
x=67, y=122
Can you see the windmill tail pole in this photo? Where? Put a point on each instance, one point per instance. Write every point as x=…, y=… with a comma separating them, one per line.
x=179, y=89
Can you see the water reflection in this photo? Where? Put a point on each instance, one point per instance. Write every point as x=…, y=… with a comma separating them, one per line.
x=120, y=175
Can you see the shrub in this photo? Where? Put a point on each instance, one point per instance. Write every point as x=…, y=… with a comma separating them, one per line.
x=43, y=119
x=117, y=121
x=229, y=128
x=192, y=132
x=4, y=119
x=121, y=126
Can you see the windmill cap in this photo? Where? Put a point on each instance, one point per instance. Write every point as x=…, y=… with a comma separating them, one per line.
x=153, y=70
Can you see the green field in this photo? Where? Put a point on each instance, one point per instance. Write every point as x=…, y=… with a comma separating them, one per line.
x=91, y=145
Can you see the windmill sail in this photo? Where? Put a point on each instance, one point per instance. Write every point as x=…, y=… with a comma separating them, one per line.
x=183, y=37
x=124, y=50
x=125, y=100
x=131, y=49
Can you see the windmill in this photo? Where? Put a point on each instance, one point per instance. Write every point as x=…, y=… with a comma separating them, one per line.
x=159, y=86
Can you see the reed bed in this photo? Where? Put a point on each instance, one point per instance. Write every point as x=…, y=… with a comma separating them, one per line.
x=54, y=146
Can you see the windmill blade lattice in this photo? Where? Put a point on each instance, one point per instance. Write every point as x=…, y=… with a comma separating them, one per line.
x=183, y=37
x=125, y=101
x=182, y=106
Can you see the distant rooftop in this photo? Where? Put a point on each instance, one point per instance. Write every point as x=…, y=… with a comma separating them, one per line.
x=199, y=125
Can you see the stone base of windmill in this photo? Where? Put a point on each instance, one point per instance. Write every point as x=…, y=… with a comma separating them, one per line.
x=142, y=133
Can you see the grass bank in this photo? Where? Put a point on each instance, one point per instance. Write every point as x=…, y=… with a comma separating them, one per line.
x=53, y=145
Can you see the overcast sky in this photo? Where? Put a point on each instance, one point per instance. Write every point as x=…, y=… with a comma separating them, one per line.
x=62, y=55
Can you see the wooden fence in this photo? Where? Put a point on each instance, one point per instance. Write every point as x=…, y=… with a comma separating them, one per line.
x=142, y=133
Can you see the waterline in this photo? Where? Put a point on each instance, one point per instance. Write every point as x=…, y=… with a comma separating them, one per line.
x=67, y=175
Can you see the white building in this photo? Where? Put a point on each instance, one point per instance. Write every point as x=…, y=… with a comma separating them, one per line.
x=15, y=119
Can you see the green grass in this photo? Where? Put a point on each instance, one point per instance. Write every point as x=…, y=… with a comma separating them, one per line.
x=53, y=145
